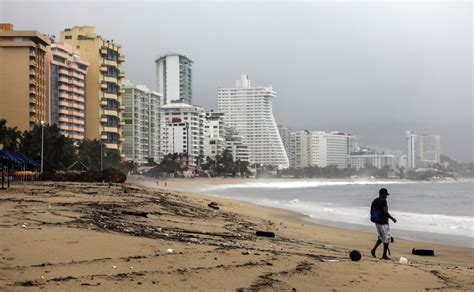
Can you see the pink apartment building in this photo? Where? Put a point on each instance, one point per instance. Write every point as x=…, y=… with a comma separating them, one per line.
x=67, y=90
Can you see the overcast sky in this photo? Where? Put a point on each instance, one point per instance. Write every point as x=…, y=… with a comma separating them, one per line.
x=373, y=69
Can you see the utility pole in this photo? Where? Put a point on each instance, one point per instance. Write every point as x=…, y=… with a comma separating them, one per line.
x=101, y=156
x=42, y=144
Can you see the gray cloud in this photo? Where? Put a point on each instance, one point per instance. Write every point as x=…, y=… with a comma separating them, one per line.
x=374, y=69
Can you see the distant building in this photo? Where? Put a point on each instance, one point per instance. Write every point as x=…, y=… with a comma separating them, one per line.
x=174, y=77
x=430, y=149
x=214, y=134
x=24, y=84
x=422, y=150
x=235, y=143
x=339, y=147
x=68, y=90
x=285, y=138
x=359, y=161
x=412, y=151
x=104, y=92
x=308, y=149
x=142, y=123
x=249, y=110
x=183, y=130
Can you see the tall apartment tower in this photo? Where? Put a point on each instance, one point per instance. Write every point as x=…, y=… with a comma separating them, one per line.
x=249, y=110
x=174, y=77
x=142, y=123
x=285, y=134
x=339, y=147
x=214, y=134
x=103, y=84
x=67, y=90
x=23, y=77
x=308, y=149
x=412, y=149
x=183, y=130
x=430, y=149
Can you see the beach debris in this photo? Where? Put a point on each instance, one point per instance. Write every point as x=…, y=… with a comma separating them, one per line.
x=24, y=225
x=135, y=213
x=403, y=261
x=330, y=261
x=213, y=205
x=355, y=255
x=422, y=252
x=131, y=268
x=246, y=252
x=114, y=267
x=169, y=250
x=231, y=244
x=265, y=233
x=159, y=229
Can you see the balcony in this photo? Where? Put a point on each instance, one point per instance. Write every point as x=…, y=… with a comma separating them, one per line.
x=111, y=129
x=32, y=72
x=110, y=79
x=122, y=107
x=122, y=123
x=103, y=120
x=111, y=96
x=103, y=51
x=122, y=91
x=111, y=145
x=121, y=74
x=32, y=54
x=103, y=85
x=121, y=58
x=33, y=63
x=103, y=102
x=111, y=113
x=122, y=139
x=110, y=63
x=32, y=91
x=103, y=137
x=103, y=68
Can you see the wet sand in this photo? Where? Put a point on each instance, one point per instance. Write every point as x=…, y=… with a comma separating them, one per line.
x=71, y=236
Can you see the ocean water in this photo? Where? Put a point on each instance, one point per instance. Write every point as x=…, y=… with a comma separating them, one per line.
x=440, y=212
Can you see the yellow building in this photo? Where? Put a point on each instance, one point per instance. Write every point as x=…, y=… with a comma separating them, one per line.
x=24, y=98
x=103, y=84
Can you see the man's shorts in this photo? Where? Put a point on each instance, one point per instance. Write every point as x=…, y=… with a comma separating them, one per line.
x=384, y=232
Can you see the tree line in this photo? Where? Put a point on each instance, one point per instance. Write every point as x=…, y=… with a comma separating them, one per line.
x=59, y=151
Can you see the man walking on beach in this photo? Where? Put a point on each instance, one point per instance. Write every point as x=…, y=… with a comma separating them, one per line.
x=379, y=215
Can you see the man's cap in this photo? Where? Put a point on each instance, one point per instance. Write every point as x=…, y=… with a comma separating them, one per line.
x=383, y=191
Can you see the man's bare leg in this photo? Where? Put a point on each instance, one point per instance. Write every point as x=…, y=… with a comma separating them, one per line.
x=375, y=247
x=385, y=248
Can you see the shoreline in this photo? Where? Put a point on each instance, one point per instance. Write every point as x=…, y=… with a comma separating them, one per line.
x=69, y=236
x=297, y=217
x=191, y=185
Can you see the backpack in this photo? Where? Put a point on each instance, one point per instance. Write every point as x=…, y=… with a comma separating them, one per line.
x=375, y=215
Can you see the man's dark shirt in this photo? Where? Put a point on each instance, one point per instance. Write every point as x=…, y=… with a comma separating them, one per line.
x=380, y=203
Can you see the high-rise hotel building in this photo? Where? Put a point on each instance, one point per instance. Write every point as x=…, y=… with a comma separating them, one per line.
x=249, y=110
x=174, y=77
x=183, y=130
x=422, y=150
x=142, y=123
x=103, y=84
x=67, y=90
x=23, y=77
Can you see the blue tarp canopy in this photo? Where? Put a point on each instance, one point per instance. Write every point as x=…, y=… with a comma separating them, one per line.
x=17, y=158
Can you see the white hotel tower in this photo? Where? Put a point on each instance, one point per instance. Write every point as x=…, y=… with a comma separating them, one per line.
x=249, y=110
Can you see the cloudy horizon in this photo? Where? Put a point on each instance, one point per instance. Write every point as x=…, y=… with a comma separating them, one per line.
x=372, y=69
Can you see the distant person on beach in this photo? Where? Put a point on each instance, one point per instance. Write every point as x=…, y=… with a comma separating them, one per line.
x=379, y=215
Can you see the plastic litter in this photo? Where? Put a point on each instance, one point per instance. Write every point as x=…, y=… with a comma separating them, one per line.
x=169, y=250
x=403, y=261
x=24, y=225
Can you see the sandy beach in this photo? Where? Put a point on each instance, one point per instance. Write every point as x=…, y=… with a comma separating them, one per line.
x=73, y=236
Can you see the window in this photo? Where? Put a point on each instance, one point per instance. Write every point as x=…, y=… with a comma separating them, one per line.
x=68, y=37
